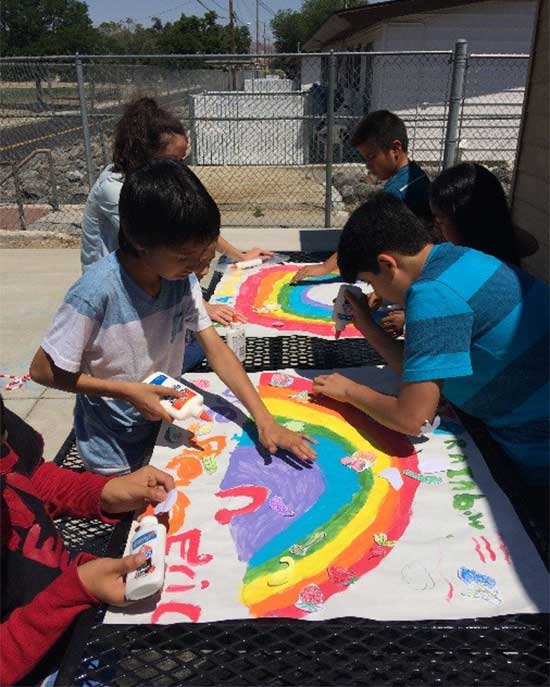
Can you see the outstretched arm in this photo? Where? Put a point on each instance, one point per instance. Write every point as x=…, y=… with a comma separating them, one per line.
x=272, y=435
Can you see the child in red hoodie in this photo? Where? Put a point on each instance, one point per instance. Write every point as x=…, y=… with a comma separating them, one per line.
x=43, y=587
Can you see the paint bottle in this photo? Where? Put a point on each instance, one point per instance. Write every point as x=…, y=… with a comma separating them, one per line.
x=189, y=404
x=150, y=539
x=342, y=312
x=235, y=338
x=246, y=264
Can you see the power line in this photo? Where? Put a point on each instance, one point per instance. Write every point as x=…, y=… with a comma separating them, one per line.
x=267, y=8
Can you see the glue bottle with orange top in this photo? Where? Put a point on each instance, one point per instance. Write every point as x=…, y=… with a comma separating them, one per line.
x=189, y=404
x=235, y=338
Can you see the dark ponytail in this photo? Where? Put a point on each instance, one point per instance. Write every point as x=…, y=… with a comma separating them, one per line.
x=141, y=134
x=473, y=200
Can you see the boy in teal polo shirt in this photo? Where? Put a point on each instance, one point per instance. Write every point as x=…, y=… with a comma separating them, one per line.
x=381, y=138
x=477, y=332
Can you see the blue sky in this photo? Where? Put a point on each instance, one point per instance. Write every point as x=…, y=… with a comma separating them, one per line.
x=168, y=10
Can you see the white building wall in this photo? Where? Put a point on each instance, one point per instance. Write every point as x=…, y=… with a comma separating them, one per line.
x=530, y=200
x=229, y=137
x=417, y=88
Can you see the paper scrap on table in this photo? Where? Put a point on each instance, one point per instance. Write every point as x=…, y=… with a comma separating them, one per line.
x=393, y=476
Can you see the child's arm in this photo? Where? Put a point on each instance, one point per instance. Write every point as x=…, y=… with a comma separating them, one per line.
x=405, y=413
x=32, y=630
x=223, y=246
x=320, y=270
x=385, y=344
x=272, y=435
x=145, y=397
x=86, y=495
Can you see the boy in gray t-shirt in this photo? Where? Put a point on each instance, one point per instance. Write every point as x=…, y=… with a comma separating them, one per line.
x=127, y=317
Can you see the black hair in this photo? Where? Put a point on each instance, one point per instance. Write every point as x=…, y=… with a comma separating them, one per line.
x=381, y=128
x=165, y=204
x=141, y=133
x=384, y=223
x=473, y=199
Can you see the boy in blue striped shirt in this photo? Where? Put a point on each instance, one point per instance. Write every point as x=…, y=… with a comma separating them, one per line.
x=477, y=332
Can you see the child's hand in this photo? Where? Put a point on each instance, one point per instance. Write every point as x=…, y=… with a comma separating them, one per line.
x=361, y=308
x=273, y=436
x=310, y=271
x=254, y=253
x=104, y=578
x=223, y=314
x=136, y=490
x=394, y=323
x=146, y=398
x=374, y=300
x=334, y=386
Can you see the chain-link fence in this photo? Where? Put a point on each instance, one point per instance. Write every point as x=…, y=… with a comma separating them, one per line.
x=269, y=133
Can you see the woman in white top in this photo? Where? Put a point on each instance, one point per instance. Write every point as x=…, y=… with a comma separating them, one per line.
x=145, y=132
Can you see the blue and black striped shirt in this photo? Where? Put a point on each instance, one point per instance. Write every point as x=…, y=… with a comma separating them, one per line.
x=481, y=326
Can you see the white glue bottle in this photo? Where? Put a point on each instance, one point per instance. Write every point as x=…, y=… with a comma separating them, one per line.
x=235, y=337
x=150, y=539
x=342, y=312
x=189, y=404
x=246, y=264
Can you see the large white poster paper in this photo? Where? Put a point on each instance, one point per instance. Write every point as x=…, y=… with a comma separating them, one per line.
x=377, y=527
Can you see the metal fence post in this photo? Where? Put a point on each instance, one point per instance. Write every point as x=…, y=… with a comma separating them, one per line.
x=458, y=81
x=330, y=137
x=84, y=118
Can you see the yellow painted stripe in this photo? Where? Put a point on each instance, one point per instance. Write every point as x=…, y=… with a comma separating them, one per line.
x=258, y=590
x=40, y=138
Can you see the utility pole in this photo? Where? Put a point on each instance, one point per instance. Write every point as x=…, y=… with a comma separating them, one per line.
x=257, y=26
x=232, y=45
x=265, y=45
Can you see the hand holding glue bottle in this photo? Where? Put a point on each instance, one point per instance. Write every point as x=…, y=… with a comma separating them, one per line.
x=342, y=312
x=189, y=404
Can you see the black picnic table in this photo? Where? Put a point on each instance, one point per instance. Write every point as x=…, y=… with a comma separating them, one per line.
x=505, y=650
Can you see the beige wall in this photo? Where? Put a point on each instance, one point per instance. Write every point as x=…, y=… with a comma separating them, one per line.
x=531, y=188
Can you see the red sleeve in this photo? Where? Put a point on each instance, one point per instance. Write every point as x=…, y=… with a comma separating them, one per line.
x=65, y=492
x=30, y=631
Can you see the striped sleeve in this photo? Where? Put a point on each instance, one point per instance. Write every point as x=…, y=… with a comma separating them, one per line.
x=439, y=333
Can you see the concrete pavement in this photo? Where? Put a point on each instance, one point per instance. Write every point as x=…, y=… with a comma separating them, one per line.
x=33, y=283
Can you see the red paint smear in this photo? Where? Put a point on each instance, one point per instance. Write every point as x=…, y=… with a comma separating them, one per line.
x=257, y=494
x=502, y=546
x=205, y=584
x=190, y=611
x=189, y=547
x=478, y=550
x=246, y=301
x=450, y=593
x=182, y=569
x=179, y=587
x=492, y=554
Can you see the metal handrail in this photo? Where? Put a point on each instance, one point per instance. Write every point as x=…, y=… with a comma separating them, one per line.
x=16, y=168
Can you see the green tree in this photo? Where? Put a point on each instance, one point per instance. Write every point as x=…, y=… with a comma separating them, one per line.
x=292, y=29
x=128, y=38
x=46, y=27
x=192, y=35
